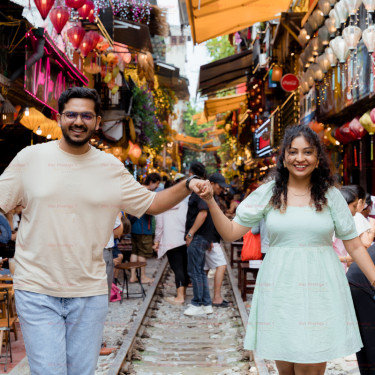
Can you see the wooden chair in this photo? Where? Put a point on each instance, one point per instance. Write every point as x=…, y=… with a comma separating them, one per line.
x=247, y=285
x=6, y=325
x=235, y=248
x=129, y=266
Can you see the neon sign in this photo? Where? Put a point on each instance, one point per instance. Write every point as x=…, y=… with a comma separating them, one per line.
x=51, y=75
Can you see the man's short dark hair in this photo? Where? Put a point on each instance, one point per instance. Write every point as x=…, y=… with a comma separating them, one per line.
x=152, y=178
x=198, y=169
x=80, y=93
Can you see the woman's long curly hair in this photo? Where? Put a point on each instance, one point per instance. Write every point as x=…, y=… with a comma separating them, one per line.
x=321, y=177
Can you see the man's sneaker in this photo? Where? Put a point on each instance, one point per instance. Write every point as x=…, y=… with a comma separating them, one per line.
x=194, y=310
x=208, y=309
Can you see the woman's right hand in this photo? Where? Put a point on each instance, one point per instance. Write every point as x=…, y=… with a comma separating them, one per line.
x=206, y=192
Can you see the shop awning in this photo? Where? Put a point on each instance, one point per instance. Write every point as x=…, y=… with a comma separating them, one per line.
x=133, y=34
x=169, y=76
x=224, y=104
x=212, y=18
x=225, y=73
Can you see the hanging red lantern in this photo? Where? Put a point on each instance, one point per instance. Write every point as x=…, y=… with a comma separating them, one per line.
x=86, y=45
x=91, y=16
x=357, y=129
x=277, y=73
x=75, y=35
x=86, y=8
x=44, y=6
x=95, y=37
x=59, y=17
x=74, y=3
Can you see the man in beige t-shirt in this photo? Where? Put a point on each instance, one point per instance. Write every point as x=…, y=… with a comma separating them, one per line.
x=71, y=194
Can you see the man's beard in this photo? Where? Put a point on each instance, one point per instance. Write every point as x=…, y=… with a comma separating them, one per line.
x=77, y=143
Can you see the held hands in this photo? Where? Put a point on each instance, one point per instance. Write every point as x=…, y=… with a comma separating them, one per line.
x=202, y=188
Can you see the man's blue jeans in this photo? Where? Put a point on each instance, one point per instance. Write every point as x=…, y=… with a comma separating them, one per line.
x=62, y=335
x=196, y=257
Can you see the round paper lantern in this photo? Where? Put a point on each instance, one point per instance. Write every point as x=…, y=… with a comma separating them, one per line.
x=318, y=16
x=340, y=48
x=324, y=63
x=75, y=35
x=367, y=122
x=59, y=17
x=44, y=6
x=330, y=25
x=352, y=5
x=324, y=6
x=302, y=37
x=352, y=35
x=369, y=5
x=86, y=45
x=74, y=3
x=341, y=11
x=95, y=37
x=335, y=17
x=368, y=37
x=86, y=8
x=344, y=134
x=277, y=73
x=135, y=151
x=323, y=35
x=331, y=56
x=357, y=129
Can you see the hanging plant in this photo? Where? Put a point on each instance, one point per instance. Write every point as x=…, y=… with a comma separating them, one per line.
x=149, y=128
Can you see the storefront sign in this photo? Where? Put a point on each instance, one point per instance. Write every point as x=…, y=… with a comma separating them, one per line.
x=263, y=137
x=289, y=82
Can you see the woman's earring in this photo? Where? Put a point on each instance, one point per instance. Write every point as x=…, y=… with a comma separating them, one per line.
x=284, y=164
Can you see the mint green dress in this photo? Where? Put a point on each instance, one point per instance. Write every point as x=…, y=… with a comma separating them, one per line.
x=302, y=310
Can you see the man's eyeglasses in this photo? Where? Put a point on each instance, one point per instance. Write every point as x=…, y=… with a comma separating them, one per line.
x=85, y=116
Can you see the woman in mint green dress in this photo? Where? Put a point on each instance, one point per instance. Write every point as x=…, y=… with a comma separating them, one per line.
x=302, y=313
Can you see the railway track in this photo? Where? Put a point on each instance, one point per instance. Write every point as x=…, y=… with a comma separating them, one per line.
x=162, y=340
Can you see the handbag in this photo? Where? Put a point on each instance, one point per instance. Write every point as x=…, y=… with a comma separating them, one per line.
x=251, y=248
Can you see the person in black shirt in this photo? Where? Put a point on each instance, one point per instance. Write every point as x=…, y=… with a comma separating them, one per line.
x=201, y=235
x=363, y=295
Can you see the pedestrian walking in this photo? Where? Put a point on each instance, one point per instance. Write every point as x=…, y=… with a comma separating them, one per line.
x=204, y=252
x=302, y=313
x=71, y=194
x=364, y=303
x=170, y=240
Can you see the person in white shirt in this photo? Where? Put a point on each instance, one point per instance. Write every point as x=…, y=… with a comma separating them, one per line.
x=365, y=229
x=71, y=194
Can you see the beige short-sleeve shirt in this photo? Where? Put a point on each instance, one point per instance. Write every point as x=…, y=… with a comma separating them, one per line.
x=70, y=205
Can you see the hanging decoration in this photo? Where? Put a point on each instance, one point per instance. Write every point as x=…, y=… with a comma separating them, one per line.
x=75, y=35
x=44, y=6
x=145, y=67
x=59, y=16
x=352, y=35
x=87, y=8
x=75, y=4
x=133, y=10
x=340, y=48
x=87, y=44
x=277, y=73
x=367, y=122
x=356, y=128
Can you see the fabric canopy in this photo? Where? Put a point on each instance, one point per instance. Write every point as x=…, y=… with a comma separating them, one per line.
x=225, y=73
x=224, y=104
x=212, y=18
